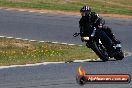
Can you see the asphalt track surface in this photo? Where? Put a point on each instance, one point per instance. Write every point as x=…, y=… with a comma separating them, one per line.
x=49, y=27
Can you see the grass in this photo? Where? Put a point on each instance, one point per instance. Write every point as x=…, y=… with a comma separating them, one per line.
x=14, y=51
x=100, y=6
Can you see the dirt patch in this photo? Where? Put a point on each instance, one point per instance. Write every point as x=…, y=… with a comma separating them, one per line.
x=21, y=45
x=63, y=12
x=117, y=16
x=5, y=42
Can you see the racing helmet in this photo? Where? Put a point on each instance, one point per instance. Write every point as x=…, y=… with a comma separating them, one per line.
x=85, y=9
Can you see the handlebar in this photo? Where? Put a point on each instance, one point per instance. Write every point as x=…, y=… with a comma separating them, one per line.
x=76, y=34
x=92, y=34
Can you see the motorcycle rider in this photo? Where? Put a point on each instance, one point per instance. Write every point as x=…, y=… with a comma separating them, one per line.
x=92, y=19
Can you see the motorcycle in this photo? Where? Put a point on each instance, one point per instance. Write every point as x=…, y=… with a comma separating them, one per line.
x=102, y=45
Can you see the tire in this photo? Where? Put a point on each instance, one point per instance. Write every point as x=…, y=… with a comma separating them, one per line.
x=119, y=56
x=100, y=51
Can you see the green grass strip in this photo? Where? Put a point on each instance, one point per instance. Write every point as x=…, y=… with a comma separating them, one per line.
x=71, y=6
x=14, y=51
x=38, y=6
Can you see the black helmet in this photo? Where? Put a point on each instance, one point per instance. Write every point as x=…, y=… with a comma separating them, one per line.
x=85, y=9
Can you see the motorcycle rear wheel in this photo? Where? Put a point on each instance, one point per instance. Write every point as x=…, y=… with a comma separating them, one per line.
x=119, y=56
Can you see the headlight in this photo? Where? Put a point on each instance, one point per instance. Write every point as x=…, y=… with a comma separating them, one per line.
x=85, y=38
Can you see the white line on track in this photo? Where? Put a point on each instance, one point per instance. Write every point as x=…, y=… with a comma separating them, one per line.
x=28, y=65
x=2, y=36
x=18, y=38
x=47, y=63
x=31, y=11
x=9, y=37
x=22, y=10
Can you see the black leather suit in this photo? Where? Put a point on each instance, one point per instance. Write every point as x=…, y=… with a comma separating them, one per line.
x=93, y=20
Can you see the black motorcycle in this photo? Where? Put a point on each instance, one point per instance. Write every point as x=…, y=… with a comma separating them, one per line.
x=102, y=45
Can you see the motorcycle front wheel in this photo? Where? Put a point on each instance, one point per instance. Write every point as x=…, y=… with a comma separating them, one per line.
x=100, y=51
